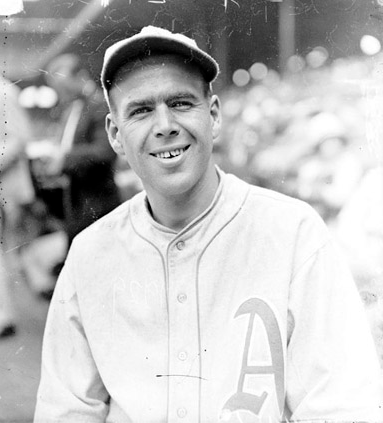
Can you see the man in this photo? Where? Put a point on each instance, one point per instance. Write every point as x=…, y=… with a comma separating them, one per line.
x=202, y=299
x=76, y=179
x=83, y=156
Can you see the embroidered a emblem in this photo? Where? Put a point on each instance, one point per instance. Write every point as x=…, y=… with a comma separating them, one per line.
x=242, y=400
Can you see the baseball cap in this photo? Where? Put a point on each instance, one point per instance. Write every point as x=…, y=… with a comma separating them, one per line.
x=153, y=39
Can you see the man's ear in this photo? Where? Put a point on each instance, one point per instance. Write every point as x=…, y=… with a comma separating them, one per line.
x=113, y=135
x=215, y=114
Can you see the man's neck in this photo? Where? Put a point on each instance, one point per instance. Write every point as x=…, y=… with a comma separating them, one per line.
x=178, y=211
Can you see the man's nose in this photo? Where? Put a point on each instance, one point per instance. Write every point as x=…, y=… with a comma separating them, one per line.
x=165, y=125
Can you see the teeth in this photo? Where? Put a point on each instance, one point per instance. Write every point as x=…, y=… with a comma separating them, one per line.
x=169, y=154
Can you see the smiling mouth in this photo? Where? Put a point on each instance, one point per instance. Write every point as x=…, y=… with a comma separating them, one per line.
x=171, y=153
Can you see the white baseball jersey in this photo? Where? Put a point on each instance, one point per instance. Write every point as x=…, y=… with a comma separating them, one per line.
x=246, y=315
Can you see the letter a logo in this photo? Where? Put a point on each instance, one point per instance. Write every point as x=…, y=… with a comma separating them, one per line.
x=250, y=402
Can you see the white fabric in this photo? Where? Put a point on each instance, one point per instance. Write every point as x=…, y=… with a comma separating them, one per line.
x=143, y=328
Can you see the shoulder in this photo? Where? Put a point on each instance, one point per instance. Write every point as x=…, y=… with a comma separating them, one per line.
x=106, y=228
x=261, y=201
x=278, y=204
x=274, y=216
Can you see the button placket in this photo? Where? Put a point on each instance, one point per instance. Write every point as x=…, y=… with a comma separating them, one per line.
x=183, y=336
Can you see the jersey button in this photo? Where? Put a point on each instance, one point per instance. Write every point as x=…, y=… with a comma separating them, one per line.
x=182, y=355
x=180, y=245
x=181, y=412
x=182, y=298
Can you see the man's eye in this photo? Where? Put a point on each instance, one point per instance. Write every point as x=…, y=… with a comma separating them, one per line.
x=182, y=105
x=140, y=111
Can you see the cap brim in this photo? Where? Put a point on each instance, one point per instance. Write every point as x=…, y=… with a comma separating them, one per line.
x=131, y=49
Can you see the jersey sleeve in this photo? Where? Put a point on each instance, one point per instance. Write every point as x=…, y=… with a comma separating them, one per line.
x=70, y=388
x=333, y=373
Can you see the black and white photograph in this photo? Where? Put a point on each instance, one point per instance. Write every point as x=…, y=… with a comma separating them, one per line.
x=191, y=211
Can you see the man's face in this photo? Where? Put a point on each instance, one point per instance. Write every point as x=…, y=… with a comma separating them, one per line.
x=164, y=125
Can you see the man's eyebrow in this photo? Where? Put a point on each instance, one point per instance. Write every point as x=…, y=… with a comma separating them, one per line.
x=182, y=95
x=165, y=99
x=139, y=103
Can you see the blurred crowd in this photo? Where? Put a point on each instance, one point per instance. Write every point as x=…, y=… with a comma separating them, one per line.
x=315, y=134
x=305, y=135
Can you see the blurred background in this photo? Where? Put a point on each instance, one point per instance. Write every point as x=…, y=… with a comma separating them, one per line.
x=301, y=85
